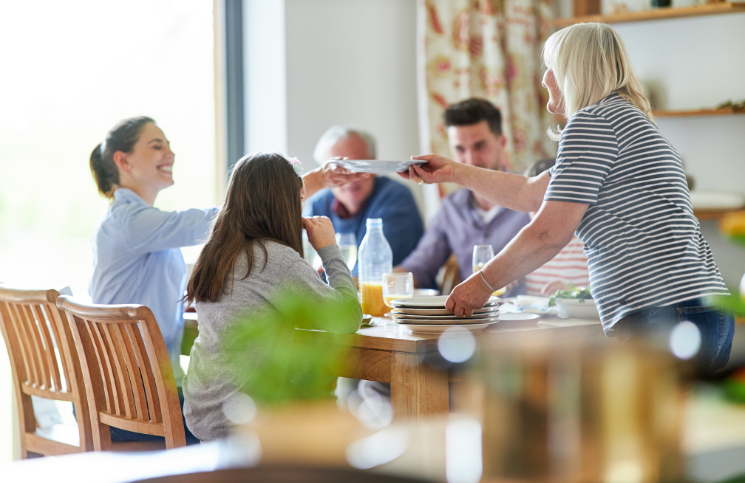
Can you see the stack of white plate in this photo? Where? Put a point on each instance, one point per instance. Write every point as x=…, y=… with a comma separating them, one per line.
x=428, y=315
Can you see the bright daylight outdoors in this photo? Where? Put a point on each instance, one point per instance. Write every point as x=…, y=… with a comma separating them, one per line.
x=70, y=71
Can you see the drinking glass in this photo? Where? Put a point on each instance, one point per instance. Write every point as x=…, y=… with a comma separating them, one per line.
x=348, y=246
x=481, y=256
x=310, y=254
x=397, y=286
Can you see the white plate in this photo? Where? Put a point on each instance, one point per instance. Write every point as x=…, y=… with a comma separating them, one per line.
x=439, y=329
x=507, y=321
x=531, y=300
x=485, y=315
x=428, y=312
x=578, y=309
x=445, y=321
x=376, y=166
x=437, y=302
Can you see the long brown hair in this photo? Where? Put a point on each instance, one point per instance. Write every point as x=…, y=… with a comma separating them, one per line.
x=262, y=203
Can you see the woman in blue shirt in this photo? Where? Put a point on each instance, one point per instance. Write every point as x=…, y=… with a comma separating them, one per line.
x=136, y=247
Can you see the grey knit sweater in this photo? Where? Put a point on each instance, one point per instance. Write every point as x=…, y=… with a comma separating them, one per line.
x=208, y=382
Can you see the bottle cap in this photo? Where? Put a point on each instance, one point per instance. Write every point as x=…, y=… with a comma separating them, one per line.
x=374, y=222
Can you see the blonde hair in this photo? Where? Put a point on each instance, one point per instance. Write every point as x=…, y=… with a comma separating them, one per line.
x=590, y=62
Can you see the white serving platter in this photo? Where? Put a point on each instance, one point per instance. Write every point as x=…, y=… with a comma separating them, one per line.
x=439, y=329
x=437, y=302
x=428, y=312
x=376, y=166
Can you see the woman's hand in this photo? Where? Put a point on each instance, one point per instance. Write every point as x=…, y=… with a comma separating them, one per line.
x=329, y=176
x=320, y=231
x=437, y=170
x=469, y=295
x=335, y=176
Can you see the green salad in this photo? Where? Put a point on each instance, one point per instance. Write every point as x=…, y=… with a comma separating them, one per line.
x=580, y=293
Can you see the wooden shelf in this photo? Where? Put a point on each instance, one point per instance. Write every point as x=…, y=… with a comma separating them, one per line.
x=656, y=14
x=714, y=214
x=725, y=111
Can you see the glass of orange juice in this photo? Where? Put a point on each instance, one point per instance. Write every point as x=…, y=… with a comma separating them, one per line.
x=482, y=254
x=397, y=286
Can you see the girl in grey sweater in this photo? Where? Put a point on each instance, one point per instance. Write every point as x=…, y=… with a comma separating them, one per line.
x=254, y=252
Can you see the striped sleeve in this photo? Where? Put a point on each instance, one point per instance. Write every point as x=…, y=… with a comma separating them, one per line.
x=587, y=151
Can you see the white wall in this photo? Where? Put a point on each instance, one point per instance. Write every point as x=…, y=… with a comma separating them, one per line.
x=698, y=62
x=265, y=87
x=694, y=63
x=352, y=62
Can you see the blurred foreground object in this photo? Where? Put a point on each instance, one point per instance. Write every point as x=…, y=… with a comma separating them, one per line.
x=580, y=411
x=285, y=401
x=733, y=228
x=290, y=369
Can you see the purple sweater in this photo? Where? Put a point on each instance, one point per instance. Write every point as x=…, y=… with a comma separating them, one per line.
x=456, y=228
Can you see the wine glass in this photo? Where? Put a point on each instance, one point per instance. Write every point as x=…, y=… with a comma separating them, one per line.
x=348, y=246
x=397, y=285
x=481, y=256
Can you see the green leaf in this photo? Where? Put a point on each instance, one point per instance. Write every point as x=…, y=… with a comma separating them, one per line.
x=263, y=350
x=730, y=303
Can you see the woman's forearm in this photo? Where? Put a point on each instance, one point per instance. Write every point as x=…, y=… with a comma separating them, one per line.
x=313, y=181
x=508, y=190
x=519, y=258
x=551, y=229
x=529, y=250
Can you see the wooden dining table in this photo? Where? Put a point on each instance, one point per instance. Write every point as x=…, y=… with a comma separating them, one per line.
x=387, y=352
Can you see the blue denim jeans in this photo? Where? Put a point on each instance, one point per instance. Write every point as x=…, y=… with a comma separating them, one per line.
x=717, y=329
x=122, y=435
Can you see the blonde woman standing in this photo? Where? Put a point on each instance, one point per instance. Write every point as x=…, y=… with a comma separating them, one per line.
x=617, y=183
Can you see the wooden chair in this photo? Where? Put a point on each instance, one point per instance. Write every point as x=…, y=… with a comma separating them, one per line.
x=126, y=370
x=44, y=364
x=449, y=276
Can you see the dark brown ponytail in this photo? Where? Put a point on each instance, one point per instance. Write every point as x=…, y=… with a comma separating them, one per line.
x=122, y=137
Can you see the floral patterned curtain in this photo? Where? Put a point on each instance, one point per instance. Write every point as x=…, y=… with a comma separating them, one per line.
x=489, y=49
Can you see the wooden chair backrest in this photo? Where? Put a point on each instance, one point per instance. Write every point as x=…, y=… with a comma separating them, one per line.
x=450, y=275
x=128, y=375
x=44, y=363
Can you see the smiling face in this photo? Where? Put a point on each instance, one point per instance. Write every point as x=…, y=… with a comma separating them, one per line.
x=149, y=167
x=476, y=145
x=353, y=195
x=555, y=99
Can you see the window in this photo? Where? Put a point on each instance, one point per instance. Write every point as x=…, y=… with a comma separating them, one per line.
x=70, y=71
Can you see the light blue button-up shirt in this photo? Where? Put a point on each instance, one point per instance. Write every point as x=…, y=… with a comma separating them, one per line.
x=137, y=260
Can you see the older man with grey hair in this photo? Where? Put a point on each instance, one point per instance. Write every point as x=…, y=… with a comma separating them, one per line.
x=349, y=206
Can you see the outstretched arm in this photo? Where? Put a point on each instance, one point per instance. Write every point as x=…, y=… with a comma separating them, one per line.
x=540, y=241
x=511, y=191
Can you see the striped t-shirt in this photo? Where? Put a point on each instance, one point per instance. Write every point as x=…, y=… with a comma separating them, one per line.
x=643, y=244
x=568, y=266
